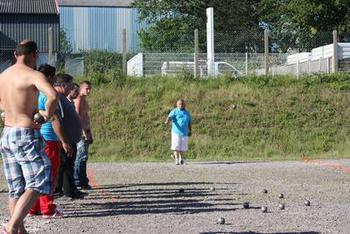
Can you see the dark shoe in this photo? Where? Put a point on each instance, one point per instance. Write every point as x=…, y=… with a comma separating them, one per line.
x=86, y=187
x=78, y=196
x=72, y=197
x=78, y=192
x=58, y=194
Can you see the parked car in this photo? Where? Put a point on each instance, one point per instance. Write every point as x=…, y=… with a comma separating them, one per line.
x=220, y=68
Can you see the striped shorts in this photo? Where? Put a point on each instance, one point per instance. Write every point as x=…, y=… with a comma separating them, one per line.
x=26, y=165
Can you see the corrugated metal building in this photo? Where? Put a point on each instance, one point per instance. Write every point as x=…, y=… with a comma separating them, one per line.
x=98, y=24
x=27, y=19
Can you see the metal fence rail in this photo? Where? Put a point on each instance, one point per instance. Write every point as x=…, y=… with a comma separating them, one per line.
x=254, y=53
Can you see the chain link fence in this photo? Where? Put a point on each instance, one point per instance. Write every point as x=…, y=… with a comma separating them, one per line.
x=245, y=53
x=236, y=54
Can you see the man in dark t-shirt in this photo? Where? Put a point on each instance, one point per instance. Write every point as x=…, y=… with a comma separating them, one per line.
x=72, y=129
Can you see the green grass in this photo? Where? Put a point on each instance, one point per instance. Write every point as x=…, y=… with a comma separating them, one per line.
x=276, y=118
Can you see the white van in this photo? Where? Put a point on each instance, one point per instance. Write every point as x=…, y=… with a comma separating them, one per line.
x=220, y=68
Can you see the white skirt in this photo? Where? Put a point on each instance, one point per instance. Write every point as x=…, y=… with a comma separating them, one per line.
x=179, y=143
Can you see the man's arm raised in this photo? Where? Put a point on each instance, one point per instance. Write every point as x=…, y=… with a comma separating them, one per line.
x=45, y=87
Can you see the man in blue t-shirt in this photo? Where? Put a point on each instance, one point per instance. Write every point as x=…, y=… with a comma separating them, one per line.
x=180, y=130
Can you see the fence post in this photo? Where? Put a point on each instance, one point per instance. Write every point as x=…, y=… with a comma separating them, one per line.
x=50, y=41
x=335, y=52
x=246, y=63
x=320, y=65
x=298, y=67
x=196, y=51
x=266, y=45
x=124, y=52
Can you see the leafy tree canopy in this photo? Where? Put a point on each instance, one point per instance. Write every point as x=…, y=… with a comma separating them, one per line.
x=294, y=24
x=172, y=22
x=305, y=24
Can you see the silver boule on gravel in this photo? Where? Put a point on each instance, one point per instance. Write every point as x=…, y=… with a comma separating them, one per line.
x=2, y=115
x=212, y=189
x=307, y=203
x=281, y=195
x=246, y=205
x=281, y=206
x=220, y=220
x=264, y=209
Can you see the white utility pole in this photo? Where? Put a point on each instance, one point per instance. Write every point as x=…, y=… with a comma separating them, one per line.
x=210, y=42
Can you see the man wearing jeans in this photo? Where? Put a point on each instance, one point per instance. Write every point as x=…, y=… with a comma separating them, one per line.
x=82, y=107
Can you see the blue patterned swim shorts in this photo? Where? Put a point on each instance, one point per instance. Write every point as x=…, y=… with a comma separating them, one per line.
x=26, y=165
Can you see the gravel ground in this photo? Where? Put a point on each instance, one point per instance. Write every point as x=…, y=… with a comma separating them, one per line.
x=145, y=198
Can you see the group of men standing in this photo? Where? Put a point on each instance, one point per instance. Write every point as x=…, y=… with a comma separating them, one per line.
x=46, y=155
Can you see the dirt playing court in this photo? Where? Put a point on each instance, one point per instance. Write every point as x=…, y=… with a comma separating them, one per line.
x=145, y=198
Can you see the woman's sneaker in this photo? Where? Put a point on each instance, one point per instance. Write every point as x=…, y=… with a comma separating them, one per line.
x=32, y=214
x=56, y=215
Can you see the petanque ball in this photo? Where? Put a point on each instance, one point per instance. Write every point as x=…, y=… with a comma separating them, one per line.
x=38, y=118
x=212, y=189
x=281, y=195
x=246, y=205
x=281, y=206
x=264, y=209
x=220, y=220
x=307, y=203
x=2, y=115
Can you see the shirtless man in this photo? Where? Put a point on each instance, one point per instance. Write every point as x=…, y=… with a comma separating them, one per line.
x=27, y=168
x=82, y=107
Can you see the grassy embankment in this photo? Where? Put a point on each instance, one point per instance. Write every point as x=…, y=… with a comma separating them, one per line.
x=276, y=118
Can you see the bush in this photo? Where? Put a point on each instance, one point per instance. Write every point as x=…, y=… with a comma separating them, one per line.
x=102, y=62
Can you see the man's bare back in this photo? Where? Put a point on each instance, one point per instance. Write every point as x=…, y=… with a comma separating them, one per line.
x=19, y=94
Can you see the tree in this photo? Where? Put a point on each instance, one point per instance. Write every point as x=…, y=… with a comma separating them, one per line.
x=65, y=50
x=65, y=46
x=171, y=23
x=305, y=24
